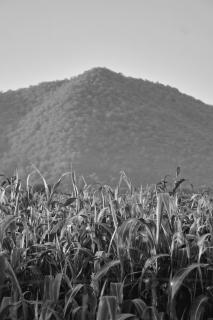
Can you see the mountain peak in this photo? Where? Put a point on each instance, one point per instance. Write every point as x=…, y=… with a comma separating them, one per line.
x=99, y=73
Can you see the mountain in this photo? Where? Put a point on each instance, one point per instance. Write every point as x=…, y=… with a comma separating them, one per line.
x=104, y=122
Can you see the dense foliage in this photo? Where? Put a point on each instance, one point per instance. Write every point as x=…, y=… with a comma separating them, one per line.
x=105, y=253
x=104, y=122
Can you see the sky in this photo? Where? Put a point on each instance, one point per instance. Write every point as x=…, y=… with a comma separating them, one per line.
x=166, y=41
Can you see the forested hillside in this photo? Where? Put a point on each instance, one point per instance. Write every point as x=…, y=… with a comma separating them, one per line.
x=103, y=122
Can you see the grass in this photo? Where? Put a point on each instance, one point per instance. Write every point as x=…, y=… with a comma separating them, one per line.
x=99, y=252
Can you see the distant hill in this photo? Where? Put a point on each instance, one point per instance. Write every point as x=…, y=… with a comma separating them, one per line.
x=104, y=122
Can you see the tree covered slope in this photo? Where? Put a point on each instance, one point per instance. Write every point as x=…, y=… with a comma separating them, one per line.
x=103, y=122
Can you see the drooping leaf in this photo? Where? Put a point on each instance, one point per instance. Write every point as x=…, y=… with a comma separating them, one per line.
x=178, y=279
x=140, y=305
x=198, y=307
x=47, y=191
x=56, y=185
x=177, y=184
x=69, y=201
x=103, y=271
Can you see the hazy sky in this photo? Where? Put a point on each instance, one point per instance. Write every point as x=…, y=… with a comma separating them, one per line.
x=169, y=41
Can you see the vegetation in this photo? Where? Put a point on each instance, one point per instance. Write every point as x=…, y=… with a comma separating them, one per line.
x=99, y=252
x=104, y=122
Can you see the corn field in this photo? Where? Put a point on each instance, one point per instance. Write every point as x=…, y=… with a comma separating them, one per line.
x=104, y=253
